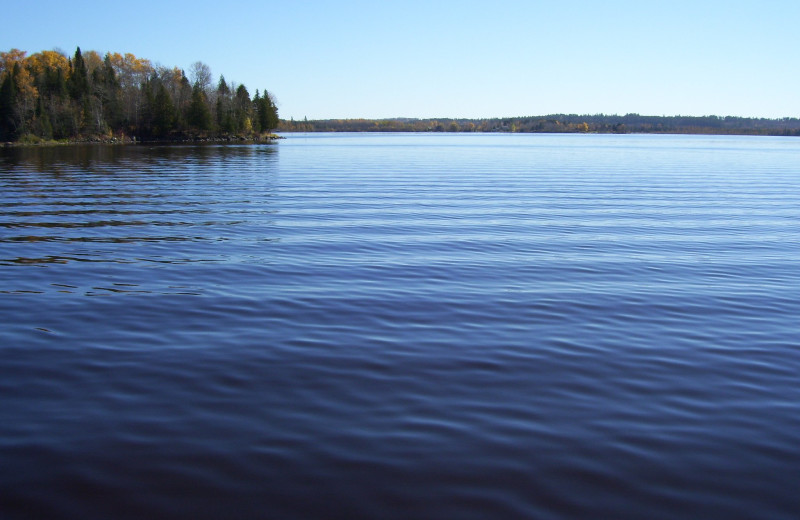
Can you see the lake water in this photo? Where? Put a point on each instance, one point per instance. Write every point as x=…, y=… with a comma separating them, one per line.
x=402, y=326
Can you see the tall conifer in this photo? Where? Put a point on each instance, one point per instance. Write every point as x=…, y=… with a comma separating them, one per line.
x=8, y=100
x=78, y=82
x=199, y=116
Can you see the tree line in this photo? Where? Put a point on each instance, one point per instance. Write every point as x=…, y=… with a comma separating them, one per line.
x=560, y=123
x=49, y=95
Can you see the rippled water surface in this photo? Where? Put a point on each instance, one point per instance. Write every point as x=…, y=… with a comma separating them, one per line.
x=402, y=326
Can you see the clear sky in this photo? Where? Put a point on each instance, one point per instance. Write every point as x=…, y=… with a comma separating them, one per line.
x=462, y=58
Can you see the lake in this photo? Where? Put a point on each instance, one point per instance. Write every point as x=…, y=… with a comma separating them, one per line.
x=402, y=326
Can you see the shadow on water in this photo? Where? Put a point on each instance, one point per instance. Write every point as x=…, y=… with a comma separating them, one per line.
x=89, y=201
x=107, y=158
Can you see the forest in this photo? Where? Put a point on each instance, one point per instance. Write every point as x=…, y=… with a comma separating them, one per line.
x=49, y=96
x=560, y=123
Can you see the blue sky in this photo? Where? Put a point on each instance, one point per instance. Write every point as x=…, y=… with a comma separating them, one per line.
x=372, y=59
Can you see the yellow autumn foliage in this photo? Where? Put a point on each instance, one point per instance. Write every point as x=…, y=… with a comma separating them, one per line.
x=41, y=61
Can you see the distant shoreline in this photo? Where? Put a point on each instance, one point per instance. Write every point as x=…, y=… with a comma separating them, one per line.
x=560, y=124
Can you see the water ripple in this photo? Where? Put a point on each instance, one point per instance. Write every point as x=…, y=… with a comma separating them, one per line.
x=402, y=326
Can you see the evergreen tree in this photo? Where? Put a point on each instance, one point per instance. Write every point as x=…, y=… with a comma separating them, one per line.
x=108, y=90
x=256, y=112
x=242, y=107
x=163, y=112
x=44, y=126
x=9, y=124
x=224, y=116
x=199, y=116
x=87, y=120
x=57, y=83
x=224, y=108
x=78, y=82
x=182, y=103
x=266, y=113
x=222, y=87
x=147, y=114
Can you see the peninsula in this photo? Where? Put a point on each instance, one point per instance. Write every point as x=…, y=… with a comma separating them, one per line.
x=49, y=96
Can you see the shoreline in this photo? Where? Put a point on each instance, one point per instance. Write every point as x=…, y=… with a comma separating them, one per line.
x=116, y=141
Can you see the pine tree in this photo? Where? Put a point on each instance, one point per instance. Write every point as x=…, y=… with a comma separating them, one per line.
x=59, y=84
x=257, y=126
x=147, y=114
x=9, y=124
x=182, y=103
x=222, y=87
x=109, y=92
x=223, y=107
x=163, y=112
x=78, y=82
x=266, y=113
x=199, y=116
x=241, y=110
x=45, y=128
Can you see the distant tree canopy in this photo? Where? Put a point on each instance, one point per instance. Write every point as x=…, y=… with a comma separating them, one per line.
x=560, y=123
x=49, y=95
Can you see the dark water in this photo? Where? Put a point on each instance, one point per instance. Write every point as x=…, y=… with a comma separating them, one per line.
x=402, y=326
